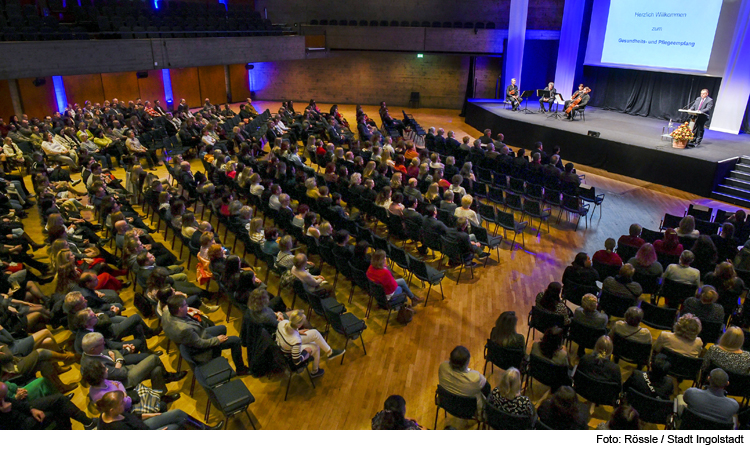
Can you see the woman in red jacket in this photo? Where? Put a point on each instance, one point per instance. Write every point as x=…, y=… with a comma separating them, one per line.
x=379, y=273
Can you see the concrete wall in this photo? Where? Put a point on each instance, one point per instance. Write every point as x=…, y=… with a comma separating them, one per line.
x=543, y=14
x=33, y=59
x=369, y=77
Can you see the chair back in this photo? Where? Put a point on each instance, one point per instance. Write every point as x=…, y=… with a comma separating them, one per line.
x=683, y=367
x=649, y=283
x=459, y=406
x=541, y=319
x=670, y=222
x=573, y=204
x=615, y=306
x=552, y=196
x=532, y=207
x=739, y=384
x=299, y=289
x=605, y=270
x=506, y=220
x=399, y=257
x=651, y=236
x=413, y=230
x=360, y=278
x=534, y=191
x=574, y=292
x=379, y=243
x=689, y=420
x=552, y=375
x=585, y=336
x=498, y=419
x=486, y=211
x=699, y=212
x=658, y=317
x=596, y=391
x=378, y=293
x=635, y=352
x=626, y=251
x=343, y=266
x=711, y=331
x=503, y=357
x=453, y=251
x=676, y=292
x=651, y=410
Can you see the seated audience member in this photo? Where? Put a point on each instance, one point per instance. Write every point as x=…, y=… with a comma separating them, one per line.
x=551, y=347
x=507, y=397
x=303, y=343
x=115, y=417
x=705, y=254
x=630, y=328
x=729, y=286
x=682, y=272
x=624, y=418
x=563, y=410
x=633, y=238
x=465, y=211
x=703, y=306
x=580, y=271
x=607, y=256
x=504, y=333
x=205, y=343
x=598, y=365
x=379, y=273
x=713, y=402
x=645, y=262
x=314, y=284
x=656, y=383
x=587, y=314
x=393, y=416
x=670, y=245
x=622, y=285
x=455, y=376
x=550, y=300
x=725, y=242
x=262, y=312
x=40, y=414
x=687, y=228
x=684, y=340
x=728, y=353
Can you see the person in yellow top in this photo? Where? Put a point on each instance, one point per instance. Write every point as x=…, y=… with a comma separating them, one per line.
x=82, y=129
x=36, y=138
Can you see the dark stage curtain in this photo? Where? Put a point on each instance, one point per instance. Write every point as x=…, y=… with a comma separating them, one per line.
x=642, y=93
x=745, y=127
x=470, y=84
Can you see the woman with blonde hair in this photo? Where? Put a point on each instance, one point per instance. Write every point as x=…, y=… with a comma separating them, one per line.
x=687, y=228
x=728, y=353
x=729, y=286
x=303, y=344
x=369, y=171
x=314, y=284
x=703, y=305
x=384, y=198
x=467, y=212
x=433, y=193
x=202, y=271
x=598, y=366
x=255, y=230
x=684, y=340
x=507, y=397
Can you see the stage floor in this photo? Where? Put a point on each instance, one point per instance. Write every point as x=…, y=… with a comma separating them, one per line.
x=623, y=128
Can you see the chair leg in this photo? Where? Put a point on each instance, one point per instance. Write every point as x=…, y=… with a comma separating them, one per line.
x=344, y=355
x=387, y=320
x=289, y=383
x=436, y=418
x=249, y=418
x=192, y=385
x=208, y=410
x=441, y=290
x=428, y=294
x=361, y=339
x=460, y=269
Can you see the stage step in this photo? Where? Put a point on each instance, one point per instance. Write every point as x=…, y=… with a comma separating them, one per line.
x=734, y=191
x=739, y=175
x=742, y=167
x=744, y=159
x=737, y=183
x=730, y=199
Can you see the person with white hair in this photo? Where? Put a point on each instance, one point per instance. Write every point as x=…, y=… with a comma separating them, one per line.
x=302, y=344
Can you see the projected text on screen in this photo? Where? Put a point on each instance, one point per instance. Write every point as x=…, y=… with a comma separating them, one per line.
x=676, y=34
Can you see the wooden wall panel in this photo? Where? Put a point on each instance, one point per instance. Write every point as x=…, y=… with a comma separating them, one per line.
x=37, y=101
x=122, y=86
x=79, y=88
x=152, y=88
x=212, y=84
x=185, y=86
x=6, y=105
x=238, y=83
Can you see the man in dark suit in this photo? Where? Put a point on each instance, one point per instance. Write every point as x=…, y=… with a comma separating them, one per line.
x=451, y=144
x=539, y=148
x=584, y=96
x=432, y=225
x=429, y=139
x=512, y=95
x=550, y=171
x=440, y=141
x=101, y=300
x=704, y=104
x=205, y=344
x=487, y=137
x=520, y=163
x=549, y=100
x=342, y=249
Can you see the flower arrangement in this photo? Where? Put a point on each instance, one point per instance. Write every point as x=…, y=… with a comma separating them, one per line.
x=682, y=133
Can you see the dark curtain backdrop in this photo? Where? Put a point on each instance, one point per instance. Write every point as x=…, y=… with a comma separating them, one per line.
x=643, y=93
x=469, y=84
x=746, y=120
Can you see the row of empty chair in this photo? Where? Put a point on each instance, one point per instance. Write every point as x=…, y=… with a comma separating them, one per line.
x=435, y=24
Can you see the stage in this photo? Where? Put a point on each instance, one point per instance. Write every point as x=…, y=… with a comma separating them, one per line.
x=628, y=145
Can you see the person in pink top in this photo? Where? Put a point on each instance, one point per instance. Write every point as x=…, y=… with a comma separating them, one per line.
x=379, y=273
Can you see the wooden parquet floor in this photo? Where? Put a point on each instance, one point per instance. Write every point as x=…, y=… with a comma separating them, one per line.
x=405, y=360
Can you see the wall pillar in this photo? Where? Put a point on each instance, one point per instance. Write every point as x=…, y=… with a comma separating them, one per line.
x=513, y=58
x=15, y=97
x=567, y=54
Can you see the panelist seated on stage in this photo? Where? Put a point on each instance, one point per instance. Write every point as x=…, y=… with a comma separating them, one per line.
x=512, y=94
x=548, y=100
x=704, y=104
x=584, y=97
